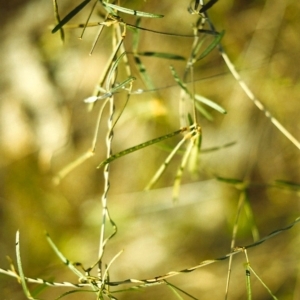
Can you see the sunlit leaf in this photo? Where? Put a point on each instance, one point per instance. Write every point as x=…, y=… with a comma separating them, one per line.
x=210, y=103
x=130, y=11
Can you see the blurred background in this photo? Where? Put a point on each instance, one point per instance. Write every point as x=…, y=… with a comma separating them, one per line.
x=45, y=125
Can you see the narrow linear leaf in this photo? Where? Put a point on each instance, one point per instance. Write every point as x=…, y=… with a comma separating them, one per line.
x=207, y=31
x=39, y=289
x=114, y=65
x=159, y=32
x=62, y=258
x=105, y=275
x=197, y=3
x=20, y=268
x=88, y=19
x=218, y=147
x=197, y=48
x=199, y=98
x=143, y=72
x=179, y=289
x=179, y=81
x=203, y=111
x=179, y=173
x=108, y=94
x=131, y=11
x=72, y=292
x=136, y=35
x=163, y=167
x=208, y=5
x=288, y=184
x=229, y=180
x=135, y=44
x=212, y=46
x=57, y=17
x=211, y=104
x=265, y=286
x=70, y=15
x=80, y=25
x=193, y=163
x=162, y=55
x=140, y=146
x=178, y=296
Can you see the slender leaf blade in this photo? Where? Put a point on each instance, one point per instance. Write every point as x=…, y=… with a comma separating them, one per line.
x=288, y=184
x=211, y=104
x=203, y=111
x=20, y=268
x=179, y=81
x=140, y=146
x=57, y=17
x=208, y=5
x=70, y=15
x=212, y=46
x=131, y=11
x=162, y=55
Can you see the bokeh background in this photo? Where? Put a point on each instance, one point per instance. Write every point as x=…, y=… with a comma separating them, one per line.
x=45, y=125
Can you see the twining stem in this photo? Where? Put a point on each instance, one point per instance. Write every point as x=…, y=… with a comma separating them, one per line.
x=109, y=137
x=154, y=280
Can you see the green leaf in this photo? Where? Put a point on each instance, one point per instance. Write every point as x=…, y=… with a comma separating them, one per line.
x=218, y=147
x=204, y=112
x=72, y=292
x=212, y=46
x=162, y=55
x=57, y=17
x=140, y=146
x=70, y=15
x=288, y=184
x=20, y=269
x=229, y=180
x=179, y=81
x=136, y=35
x=211, y=104
x=208, y=5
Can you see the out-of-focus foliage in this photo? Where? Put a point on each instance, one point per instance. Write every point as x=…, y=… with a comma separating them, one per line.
x=45, y=125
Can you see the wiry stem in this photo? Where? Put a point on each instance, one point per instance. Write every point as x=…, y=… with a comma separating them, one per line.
x=250, y=94
x=233, y=239
x=109, y=138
